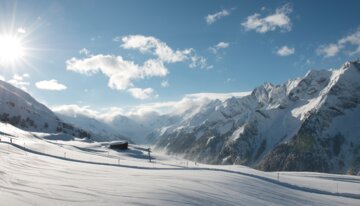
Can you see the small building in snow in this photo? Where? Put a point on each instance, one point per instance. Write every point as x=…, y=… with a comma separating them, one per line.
x=121, y=145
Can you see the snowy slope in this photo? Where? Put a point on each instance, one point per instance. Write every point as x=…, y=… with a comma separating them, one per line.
x=306, y=124
x=21, y=110
x=37, y=171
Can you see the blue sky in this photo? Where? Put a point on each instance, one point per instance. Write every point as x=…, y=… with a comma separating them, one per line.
x=193, y=47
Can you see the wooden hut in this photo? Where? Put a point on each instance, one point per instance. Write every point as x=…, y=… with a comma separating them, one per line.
x=121, y=145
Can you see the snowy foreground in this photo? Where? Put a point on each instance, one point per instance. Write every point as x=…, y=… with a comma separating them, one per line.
x=43, y=169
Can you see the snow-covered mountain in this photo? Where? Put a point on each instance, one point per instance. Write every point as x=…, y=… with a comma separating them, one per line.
x=140, y=127
x=20, y=109
x=136, y=128
x=132, y=128
x=143, y=129
x=307, y=124
x=23, y=111
x=101, y=130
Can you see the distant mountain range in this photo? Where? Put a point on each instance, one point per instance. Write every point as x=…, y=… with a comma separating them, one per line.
x=306, y=124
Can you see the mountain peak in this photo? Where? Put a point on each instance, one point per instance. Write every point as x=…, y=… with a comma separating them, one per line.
x=351, y=65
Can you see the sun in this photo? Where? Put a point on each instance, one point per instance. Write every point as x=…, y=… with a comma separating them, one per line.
x=11, y=49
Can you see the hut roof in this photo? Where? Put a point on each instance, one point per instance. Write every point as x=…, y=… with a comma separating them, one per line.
x=120, y=142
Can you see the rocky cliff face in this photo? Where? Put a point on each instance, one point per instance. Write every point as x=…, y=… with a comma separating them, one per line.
x=307, y=124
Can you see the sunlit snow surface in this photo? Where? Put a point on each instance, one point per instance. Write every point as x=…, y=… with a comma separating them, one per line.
x=58, y=170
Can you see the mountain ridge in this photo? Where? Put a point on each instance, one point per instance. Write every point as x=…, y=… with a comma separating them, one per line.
x=21, y=110
x=281, y=127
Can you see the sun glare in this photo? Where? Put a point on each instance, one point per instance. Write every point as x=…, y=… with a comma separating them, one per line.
x=11, y=49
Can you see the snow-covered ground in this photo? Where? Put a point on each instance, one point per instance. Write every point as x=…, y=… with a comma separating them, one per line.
x=43, y=169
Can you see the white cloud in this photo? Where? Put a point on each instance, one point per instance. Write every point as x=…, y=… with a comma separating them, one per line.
x=199, y=61
x=154, y=67
x=222, y=45
x=20, y=81
x=149, y=44
x=2, y=78
x=105, y=114
x=21, y=30
x=165, y=83
x=217, y=47
x=219, y=96
x=278, y=20
x=84, y=51
x=353, y=38
x=73, y=110
x=108, y=114
x=190, y=102
x=333, y=49
x=329, y=50
x=152, y=45
x=211, y=18
x=142, y=94
x=52, y=84
x=121, y=73
x=285, y=51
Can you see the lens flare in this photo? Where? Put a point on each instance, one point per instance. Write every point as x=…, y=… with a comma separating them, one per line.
x=11, y=49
